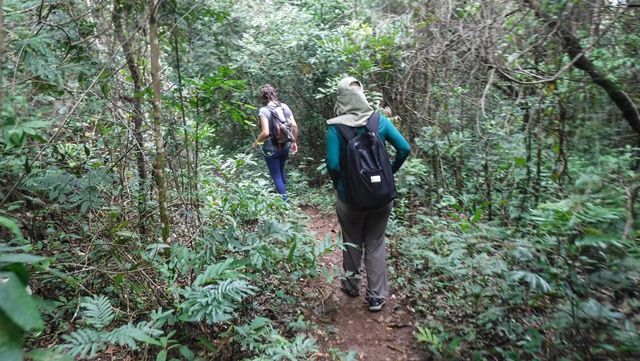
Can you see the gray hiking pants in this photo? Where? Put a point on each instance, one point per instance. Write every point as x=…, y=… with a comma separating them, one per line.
x=364, y=229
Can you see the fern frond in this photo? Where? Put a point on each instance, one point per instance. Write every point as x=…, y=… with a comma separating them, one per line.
x=298, y=349
x=535, y=281
x=97, y=311
x=214, y=303
x=83, y=342
x=217, y=272
x=128, y=334
x=234, y=289
x=87, y=342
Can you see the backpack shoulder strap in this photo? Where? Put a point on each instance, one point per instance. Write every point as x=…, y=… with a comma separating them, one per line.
x=374, y=122
x=346, y=131
x=275, y=115
x=272, y=121
x=286, y=111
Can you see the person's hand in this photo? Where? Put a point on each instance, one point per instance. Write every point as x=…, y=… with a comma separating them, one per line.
x=294, y=148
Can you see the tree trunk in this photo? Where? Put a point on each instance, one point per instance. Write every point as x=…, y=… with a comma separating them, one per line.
x=1, y=51
x=127, y=47
x=160, y=163
x=527, y=142
x=538, y=183
x=632, y=194
x=487, y=181
x=562, y=163
x=436, y=177
x=459, y=164
x=196, y=156
x=571, y=45
x=182, y=113
x=620, y=98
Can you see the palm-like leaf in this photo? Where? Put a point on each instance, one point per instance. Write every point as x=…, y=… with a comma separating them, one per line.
x=97, y=311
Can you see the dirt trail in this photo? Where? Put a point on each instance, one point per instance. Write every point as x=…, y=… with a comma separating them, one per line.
x=345, y=322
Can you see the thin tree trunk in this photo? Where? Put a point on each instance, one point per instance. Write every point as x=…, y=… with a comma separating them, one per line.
x=538, y=184
x=459, y=163
x=436, y=177
x=160, y=163
x=183, y=115
x=620, y=98
x=527, y=141
x=1, y=47
x=632, y=194
x=487, y=181
x=562, y=163
x=137, y=115
x=173, y=146
x=196, y=160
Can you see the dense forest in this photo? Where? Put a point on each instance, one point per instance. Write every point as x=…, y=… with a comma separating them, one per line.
x=138, y=223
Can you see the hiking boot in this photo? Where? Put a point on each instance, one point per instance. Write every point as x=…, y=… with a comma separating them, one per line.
x=375, y=304
x=349, y=292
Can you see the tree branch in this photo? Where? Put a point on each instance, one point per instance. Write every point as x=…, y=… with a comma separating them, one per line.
x=573, y=48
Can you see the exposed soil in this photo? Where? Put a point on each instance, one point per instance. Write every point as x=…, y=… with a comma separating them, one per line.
x=346, y=323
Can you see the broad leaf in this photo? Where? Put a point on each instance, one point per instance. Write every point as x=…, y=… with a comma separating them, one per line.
x=11, y=225
x=19, y=258
x=10, y=340
x=17, y=304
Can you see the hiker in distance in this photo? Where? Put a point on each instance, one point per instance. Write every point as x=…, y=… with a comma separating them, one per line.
x=278, y=134
x=362, y=175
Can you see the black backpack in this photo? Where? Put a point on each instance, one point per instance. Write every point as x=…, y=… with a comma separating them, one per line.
x=279, y=128
x=365, y=167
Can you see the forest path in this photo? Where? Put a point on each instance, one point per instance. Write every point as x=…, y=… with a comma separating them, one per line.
x=345, y=323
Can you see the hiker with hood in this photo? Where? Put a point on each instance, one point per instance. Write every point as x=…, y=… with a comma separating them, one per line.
x=362, y=175
x=278, y=134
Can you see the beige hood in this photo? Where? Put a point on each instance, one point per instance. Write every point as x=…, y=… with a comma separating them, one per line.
x=352, y=107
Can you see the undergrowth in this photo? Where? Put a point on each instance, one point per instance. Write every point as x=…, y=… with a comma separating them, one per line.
x=559, y=281
x=225, y=287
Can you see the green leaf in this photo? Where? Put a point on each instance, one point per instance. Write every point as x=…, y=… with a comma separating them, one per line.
x=477, y=215
x=125, y=235
x=162, y=356
x=27, y=165
x=260, y=322
x=292, y=251
x=17, y=304
x=19, y=258
x=142, y=337
x=14, y=138
x=535, y=281
x=10, y=340
x=43, y=354
x=35, y=124
x=17, y=268
x=598, y=311
x=11, y=225
x=15, y=248
x=97, y=311
x=187, y=353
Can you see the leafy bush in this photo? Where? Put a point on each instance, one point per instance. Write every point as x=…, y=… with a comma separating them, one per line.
x=530, y=291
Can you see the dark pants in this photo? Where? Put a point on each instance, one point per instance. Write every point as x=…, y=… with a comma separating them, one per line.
x=275, y=163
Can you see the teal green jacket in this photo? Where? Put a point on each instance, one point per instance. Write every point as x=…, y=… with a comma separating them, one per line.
x=386, y=132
